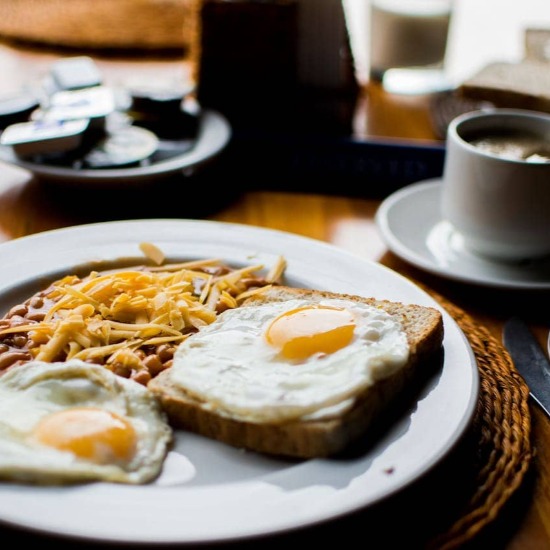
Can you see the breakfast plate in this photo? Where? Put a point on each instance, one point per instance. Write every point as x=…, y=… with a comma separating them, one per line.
x=209, y=492
x=411, y=225
x=172, y=157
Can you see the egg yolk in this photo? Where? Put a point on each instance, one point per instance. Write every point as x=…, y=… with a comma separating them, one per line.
x=302, y=332
x=92, y=434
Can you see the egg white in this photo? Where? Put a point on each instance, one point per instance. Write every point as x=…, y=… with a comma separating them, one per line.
x=231, y=368
x=34, y=390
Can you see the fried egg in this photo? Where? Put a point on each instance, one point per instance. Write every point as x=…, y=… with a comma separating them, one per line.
x=75, y=421
x=280, y=361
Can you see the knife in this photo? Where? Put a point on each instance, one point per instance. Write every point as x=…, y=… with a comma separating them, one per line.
x=529, y=359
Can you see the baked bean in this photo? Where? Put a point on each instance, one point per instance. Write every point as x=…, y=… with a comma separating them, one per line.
x=4, y=323
x=10, y=357
x=37, y=316
x=4, y=348
x=141, y=354
x=94, y=360
x=168, y=364
x=221, y=307
x=165, y=352
x=153, y=364
x=122, y=370
x=20, y=310
x=20, y=340
x=141, y=376
x=37, y=302
x=17, y=320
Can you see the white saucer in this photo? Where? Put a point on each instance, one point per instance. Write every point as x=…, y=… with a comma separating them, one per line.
x=411, y=226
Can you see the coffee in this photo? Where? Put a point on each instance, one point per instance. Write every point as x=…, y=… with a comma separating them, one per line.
x=513, y=144
x=495, y=191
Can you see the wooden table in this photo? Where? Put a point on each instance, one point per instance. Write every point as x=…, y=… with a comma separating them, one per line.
x=28, y=206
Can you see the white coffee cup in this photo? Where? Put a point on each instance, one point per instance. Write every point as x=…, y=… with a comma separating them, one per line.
x=496, y=182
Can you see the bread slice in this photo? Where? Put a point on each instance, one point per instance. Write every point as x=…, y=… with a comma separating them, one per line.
x=331, y=434
x=523, y=85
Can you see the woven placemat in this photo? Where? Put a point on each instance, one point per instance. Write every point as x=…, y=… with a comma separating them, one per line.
x=501, y=430
x=103, y=24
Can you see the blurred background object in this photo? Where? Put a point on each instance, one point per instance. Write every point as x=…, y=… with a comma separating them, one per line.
x=524, y=84
x=537, y=44
x=248, y=59
x=292, y=76
x=287, y=63
x=471, y=45
x=139, y=29
x=143, y=24
x=408, y=44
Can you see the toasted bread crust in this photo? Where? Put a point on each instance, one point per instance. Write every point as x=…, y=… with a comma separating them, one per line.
x=312, y=438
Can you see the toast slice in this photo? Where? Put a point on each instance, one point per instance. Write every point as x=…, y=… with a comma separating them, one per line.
x=523, y=85
x=336, y=431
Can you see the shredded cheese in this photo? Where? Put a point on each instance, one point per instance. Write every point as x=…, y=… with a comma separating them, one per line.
x=153, y=252
x=108, y=316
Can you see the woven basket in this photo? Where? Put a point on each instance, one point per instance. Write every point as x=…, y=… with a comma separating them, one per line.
x=501, y=431
x=113, y=24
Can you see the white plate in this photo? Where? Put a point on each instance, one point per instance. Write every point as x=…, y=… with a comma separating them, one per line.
x=208, y=491
x=410, y=224
x=213, y=135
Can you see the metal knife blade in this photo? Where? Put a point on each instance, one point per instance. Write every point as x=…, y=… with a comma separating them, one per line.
x=529, y=359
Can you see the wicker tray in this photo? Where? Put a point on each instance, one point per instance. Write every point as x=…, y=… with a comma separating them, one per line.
x=500, y=434
x=111, y=24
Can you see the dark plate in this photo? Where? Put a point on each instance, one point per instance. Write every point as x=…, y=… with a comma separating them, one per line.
x=172, y=157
